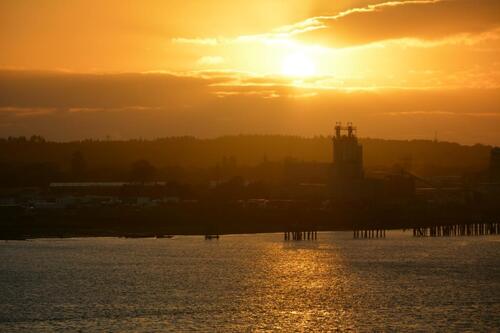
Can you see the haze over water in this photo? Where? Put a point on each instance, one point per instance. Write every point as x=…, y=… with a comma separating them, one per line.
x=251, y=283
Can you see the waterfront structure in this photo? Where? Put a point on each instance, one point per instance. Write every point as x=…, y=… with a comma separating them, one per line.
x=347, y=179
x=347, y=153
x=466, y=229
x=300, y=235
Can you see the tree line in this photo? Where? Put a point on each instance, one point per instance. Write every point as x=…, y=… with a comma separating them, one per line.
x=37, y=161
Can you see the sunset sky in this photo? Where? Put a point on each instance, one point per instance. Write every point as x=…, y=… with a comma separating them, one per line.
x=73, y=69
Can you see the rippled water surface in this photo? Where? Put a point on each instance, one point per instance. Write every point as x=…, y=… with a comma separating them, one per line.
x=251, y=283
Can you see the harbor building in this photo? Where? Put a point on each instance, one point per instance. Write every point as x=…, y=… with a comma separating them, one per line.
x=347, y=170
x=348, y=181
x=347, y=153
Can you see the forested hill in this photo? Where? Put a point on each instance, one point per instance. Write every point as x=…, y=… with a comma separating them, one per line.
x=243, y=150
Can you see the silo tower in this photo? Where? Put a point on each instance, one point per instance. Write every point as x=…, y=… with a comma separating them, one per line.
x=347, y=154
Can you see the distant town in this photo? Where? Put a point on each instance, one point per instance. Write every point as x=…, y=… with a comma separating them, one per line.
x=39, y=200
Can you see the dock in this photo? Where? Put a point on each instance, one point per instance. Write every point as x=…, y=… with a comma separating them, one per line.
x=471, y=229
x=300, y=235
x=368, y=233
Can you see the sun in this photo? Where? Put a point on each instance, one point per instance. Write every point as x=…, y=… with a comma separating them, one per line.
x=298, y=65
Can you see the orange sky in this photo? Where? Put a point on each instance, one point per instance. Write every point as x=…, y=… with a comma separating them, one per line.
x=151, y=68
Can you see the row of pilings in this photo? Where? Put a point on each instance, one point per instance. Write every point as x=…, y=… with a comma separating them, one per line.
x=472, y=229
x=368, y=233
x=300, y=235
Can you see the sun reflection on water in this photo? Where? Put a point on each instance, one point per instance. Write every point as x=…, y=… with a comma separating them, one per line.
x=250, y=283
x=301, y=288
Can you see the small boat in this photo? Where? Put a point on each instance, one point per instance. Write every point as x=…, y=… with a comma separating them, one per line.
x=164, y=236
x=211, y=236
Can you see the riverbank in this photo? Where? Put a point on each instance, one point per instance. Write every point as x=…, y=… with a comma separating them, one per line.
x=133, y=222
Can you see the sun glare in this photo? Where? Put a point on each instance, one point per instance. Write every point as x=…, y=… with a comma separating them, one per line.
x=298, y=65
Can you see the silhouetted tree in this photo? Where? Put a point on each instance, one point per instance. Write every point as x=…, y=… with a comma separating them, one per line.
x=142, y=171
x=232, y=189
x=39, y=174
x=78, y=165
x=37, y=139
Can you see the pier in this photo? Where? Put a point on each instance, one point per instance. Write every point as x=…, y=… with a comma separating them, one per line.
x=300, y=235
x=368, y=233
x=471, y=229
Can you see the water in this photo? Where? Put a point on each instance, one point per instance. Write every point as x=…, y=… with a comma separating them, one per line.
x=251, y=283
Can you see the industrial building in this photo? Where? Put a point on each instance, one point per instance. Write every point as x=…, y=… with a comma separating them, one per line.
x=347, y=153
x=347, y=170
x=348, y=181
